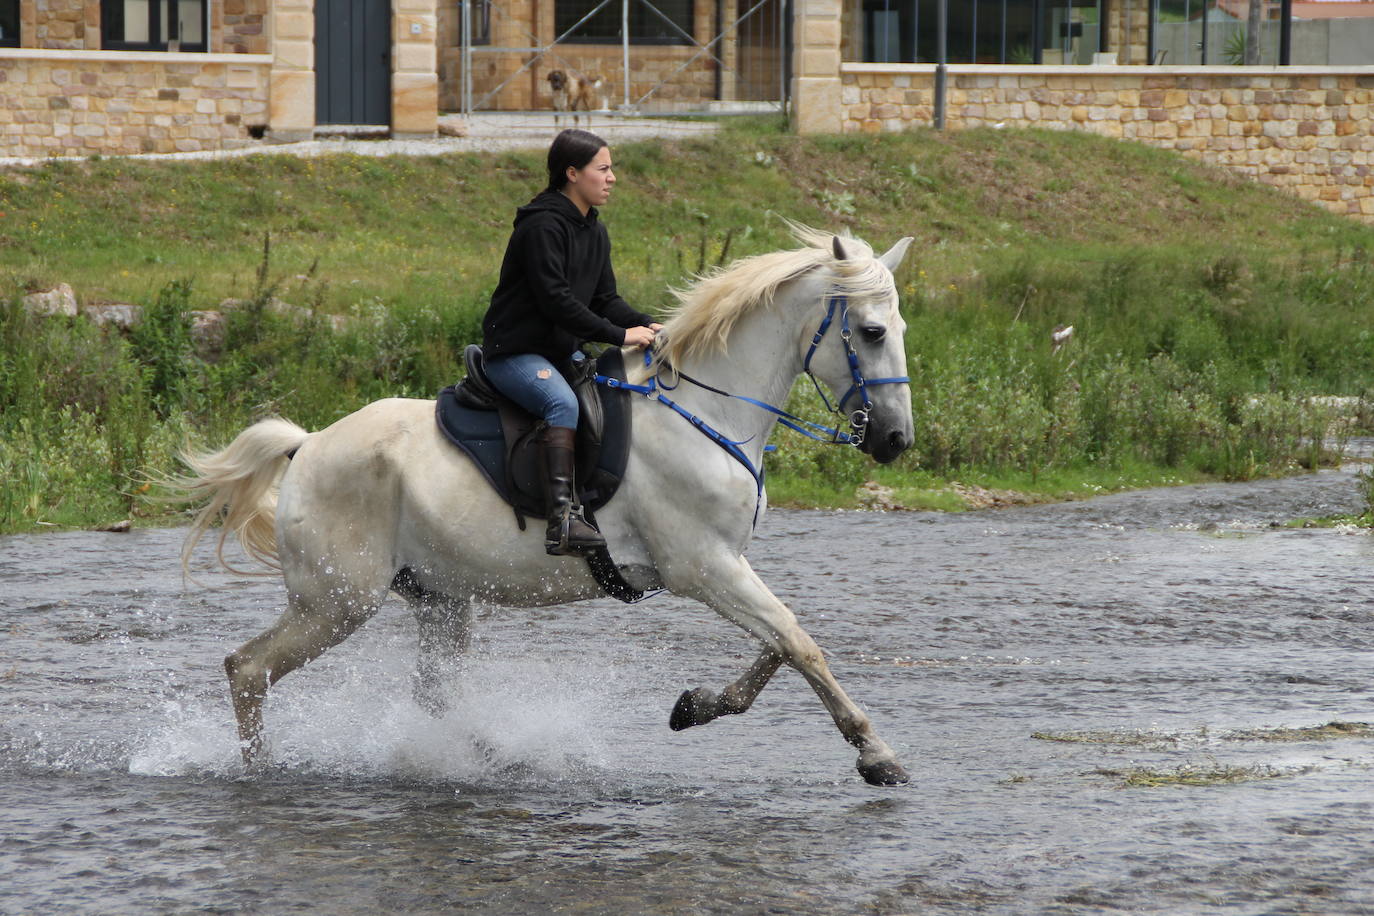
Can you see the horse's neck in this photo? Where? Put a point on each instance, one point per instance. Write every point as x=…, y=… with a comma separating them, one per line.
x=761, y=361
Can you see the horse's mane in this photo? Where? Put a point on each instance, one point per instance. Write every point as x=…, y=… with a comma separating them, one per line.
x=709, y=308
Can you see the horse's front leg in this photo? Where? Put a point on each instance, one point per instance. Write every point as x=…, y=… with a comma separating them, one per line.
x=732, y=588
x=699, y=706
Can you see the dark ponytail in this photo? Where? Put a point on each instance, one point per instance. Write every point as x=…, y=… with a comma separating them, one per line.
x=572, y=148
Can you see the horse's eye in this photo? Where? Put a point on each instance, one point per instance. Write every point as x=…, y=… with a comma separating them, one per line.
x=873, y=332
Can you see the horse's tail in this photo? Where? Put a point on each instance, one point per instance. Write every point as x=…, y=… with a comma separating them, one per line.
x=238, y=484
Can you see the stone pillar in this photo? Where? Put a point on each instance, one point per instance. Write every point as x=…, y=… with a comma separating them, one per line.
x=727, y=49
x=1128, y=33
x=28, y=23
x=415, y=69
x=816, y=91
x=291, y=83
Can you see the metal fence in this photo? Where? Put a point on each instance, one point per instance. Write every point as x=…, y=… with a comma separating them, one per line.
x=636, y=56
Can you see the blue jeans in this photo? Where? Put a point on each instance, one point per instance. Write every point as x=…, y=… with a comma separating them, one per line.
x=535, y=384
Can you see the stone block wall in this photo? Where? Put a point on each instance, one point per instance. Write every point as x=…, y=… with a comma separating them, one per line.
x=64, y=103
x=239, y=27
x=1307, y=130
x=65, y=24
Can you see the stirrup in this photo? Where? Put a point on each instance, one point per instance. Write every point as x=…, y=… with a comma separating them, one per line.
x=563, y=545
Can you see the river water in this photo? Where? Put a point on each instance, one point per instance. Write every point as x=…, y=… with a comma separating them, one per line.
x=1168, y=631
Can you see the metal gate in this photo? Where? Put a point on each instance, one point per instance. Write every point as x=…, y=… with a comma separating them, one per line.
x=651, y=56
x=353, y=62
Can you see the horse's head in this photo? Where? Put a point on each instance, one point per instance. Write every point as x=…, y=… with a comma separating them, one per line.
x=857, y=348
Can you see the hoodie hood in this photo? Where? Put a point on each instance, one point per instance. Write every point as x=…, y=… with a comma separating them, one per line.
x=555, y=202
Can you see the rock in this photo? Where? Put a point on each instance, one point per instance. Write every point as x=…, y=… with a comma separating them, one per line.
x=60, y=300
x=976, y=497
x=120, y=314
x=453, y=128
x=873, y=495
x=118, y=527
x=207, y=329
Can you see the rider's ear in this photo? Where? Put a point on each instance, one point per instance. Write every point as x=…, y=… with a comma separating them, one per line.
x=893, y=258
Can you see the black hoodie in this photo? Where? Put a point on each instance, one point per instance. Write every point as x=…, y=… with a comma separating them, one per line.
x=556, y=288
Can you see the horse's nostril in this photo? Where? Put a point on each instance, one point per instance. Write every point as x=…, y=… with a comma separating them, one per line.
x=897, y=439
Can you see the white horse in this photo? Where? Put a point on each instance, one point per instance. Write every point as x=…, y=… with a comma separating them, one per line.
x=380, y=501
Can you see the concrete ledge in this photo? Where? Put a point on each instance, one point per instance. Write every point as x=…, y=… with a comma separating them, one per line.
x=132, y=57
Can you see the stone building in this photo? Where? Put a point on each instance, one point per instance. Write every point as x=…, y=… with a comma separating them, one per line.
x=81, y=77
x=865, y=66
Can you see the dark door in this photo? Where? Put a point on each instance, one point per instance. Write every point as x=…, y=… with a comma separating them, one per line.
x=353, y=61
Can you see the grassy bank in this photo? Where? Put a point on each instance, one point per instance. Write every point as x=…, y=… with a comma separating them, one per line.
x=1206, y=309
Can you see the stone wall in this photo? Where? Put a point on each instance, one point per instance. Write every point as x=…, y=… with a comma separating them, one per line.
x=65, y=24
x=80, y=103
x=239, y=26
x=1307, y=130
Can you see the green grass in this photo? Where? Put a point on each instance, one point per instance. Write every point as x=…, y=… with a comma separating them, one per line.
x=1206, y=308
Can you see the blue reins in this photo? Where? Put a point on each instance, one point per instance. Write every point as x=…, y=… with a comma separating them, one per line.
x=858, y=420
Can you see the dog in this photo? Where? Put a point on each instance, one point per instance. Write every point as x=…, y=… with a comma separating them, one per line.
x=573, y=93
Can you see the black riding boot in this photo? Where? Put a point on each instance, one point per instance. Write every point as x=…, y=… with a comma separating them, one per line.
x=568, y=533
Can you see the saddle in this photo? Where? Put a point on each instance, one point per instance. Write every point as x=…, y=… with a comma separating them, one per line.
x=502, y=438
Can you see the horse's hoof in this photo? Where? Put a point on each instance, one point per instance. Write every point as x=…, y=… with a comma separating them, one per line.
x=884, y=773
x=694, y=707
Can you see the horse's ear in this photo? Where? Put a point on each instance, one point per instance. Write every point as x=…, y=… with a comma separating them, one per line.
x=893, y=258
x=838, y=247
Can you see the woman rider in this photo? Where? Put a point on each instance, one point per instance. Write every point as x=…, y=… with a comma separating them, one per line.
x=556, y=291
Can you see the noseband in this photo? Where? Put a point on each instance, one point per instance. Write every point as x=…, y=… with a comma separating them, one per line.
x=858, y=420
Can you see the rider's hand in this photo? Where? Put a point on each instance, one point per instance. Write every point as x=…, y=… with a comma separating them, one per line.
x=639, y=337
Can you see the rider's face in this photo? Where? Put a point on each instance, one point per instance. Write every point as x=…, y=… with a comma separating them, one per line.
x=590, y=186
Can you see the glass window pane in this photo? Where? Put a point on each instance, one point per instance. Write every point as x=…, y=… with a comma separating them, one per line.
x=655, y=21
x=135, y=22
x=9, y=23
x=192, y=22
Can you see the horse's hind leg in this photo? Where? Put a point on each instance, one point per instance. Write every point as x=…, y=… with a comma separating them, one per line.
x=444, y=625
x=699, y=706
x=310, y=625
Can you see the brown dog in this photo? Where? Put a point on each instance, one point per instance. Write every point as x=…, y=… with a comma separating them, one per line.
x=575, y=93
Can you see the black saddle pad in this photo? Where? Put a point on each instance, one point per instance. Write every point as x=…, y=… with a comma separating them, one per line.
x=479, y=433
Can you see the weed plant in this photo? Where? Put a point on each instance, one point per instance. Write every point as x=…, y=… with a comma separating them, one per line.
x=1206, y=310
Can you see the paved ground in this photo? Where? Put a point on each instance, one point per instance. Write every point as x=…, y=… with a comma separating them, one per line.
x=483, y=132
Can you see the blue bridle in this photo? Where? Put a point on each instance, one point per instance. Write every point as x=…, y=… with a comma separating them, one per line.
x=858, y=420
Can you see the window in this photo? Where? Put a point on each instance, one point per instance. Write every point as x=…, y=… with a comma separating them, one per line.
x=9, y=23
x=481, y=21
x=658, y=22
x=153, y=25
x=984, y=31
